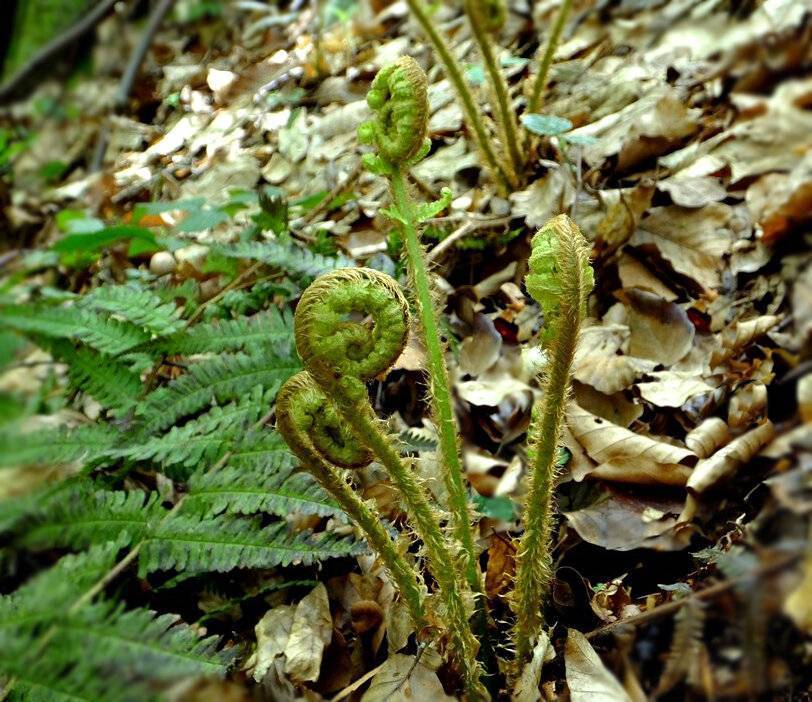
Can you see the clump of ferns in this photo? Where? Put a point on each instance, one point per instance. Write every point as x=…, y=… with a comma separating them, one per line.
x=350, y=327
x=506, y=160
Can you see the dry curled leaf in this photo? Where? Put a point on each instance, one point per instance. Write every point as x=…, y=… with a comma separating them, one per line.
x=710, y=435
x=403, y=679
x=740, y=335
x=709, y=472
x=660, y=331
x=311, y=630
x=527, y=686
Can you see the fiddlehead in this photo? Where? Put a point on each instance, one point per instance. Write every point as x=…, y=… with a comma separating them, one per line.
x=398, y=97
x=350, y=326
x=491, y=14
x=560, y=280
x=314, y=431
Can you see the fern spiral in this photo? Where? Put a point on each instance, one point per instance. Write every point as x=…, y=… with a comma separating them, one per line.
x=398, y=99
x=350, y=326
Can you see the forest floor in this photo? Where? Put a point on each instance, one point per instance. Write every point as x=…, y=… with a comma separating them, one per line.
x=678, y=135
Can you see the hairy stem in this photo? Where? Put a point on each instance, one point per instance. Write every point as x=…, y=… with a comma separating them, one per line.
x=473, y=119
x=502, y=110
x=540, y=83
x=401, y=571
x=440, y=560
x=561, y=280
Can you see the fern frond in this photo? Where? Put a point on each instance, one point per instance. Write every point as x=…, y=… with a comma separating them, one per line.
x=99, y=331
x=294, y=260
x=205, y=438
x=56, y=446
x=139, y=642
x=270, y=329
x=263, y=451
x=219, y=378
x=107, y=380
x=234, y=490
x=43, y=681
x=83, y=515
x=136, y=304
x=197, y=544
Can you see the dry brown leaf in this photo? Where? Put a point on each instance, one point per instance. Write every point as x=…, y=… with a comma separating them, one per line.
x=740, y=334
x=501, y=566
x=637, y=471
x=402, y=679
x=587, y=677
x=311, y=630
x=272, y=632
x=693, y=241
x=527, y=686
x=779, y=201
x=634, y=274
x=748, y=404
x=672, y=389
x=708, y=436
x=545, y=197
x=660, y=331
x=617, y=408
x=693, y=191
x=598, y=363
x=804, y=394
x=624, y=521
x=709, y=472
x=605, y=442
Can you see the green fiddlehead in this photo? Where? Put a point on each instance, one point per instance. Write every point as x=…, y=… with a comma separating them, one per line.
x=314, y=431
x=560, y=280
x=350, y=326
x=408, y=215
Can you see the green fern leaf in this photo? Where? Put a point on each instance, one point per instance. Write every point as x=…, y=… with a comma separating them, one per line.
x=82, y=515
x=294, y=260
x=139, y=642
x=56, y=446
x=236, y=491
x=205, y=438
x=261, y=451
x=271, y=329
x=138, y=305
x=196, y=544
x=219, y=378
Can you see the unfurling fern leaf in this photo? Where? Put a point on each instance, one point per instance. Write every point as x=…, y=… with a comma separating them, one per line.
x=196, y=544
x=235, y=490
x=220, y=378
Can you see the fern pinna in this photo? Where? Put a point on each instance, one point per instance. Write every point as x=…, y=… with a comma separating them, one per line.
x=180, y=477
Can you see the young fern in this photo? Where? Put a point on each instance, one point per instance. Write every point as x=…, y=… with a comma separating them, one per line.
x=504, y=176
x=560, y=280
x=340, y=355
x=398, y=131
x=485, y=18
x=542, y=76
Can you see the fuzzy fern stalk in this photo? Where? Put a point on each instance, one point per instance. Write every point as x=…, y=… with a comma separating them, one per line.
x=560, y=280
x=487, y=17
x=398, y=131
x=314, y=431
x=540, y=81
x=350, y=326
x=500, y=171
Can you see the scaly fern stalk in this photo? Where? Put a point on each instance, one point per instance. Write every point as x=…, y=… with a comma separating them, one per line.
x=485, y=18
x=340, y=354
x=473, y=118
x=313, y=429
x=560, y=280
x=398, y=131
x=540, y=82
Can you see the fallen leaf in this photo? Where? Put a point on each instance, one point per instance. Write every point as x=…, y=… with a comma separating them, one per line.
x=710, y=435
x=527, y=686
x=403, y=679
x=587, y=677
x=311, y=630
x=672, y=389
x=693, y=191
x=272, y=632
x=693, y=241
x=709, y=472
x=659, y=330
